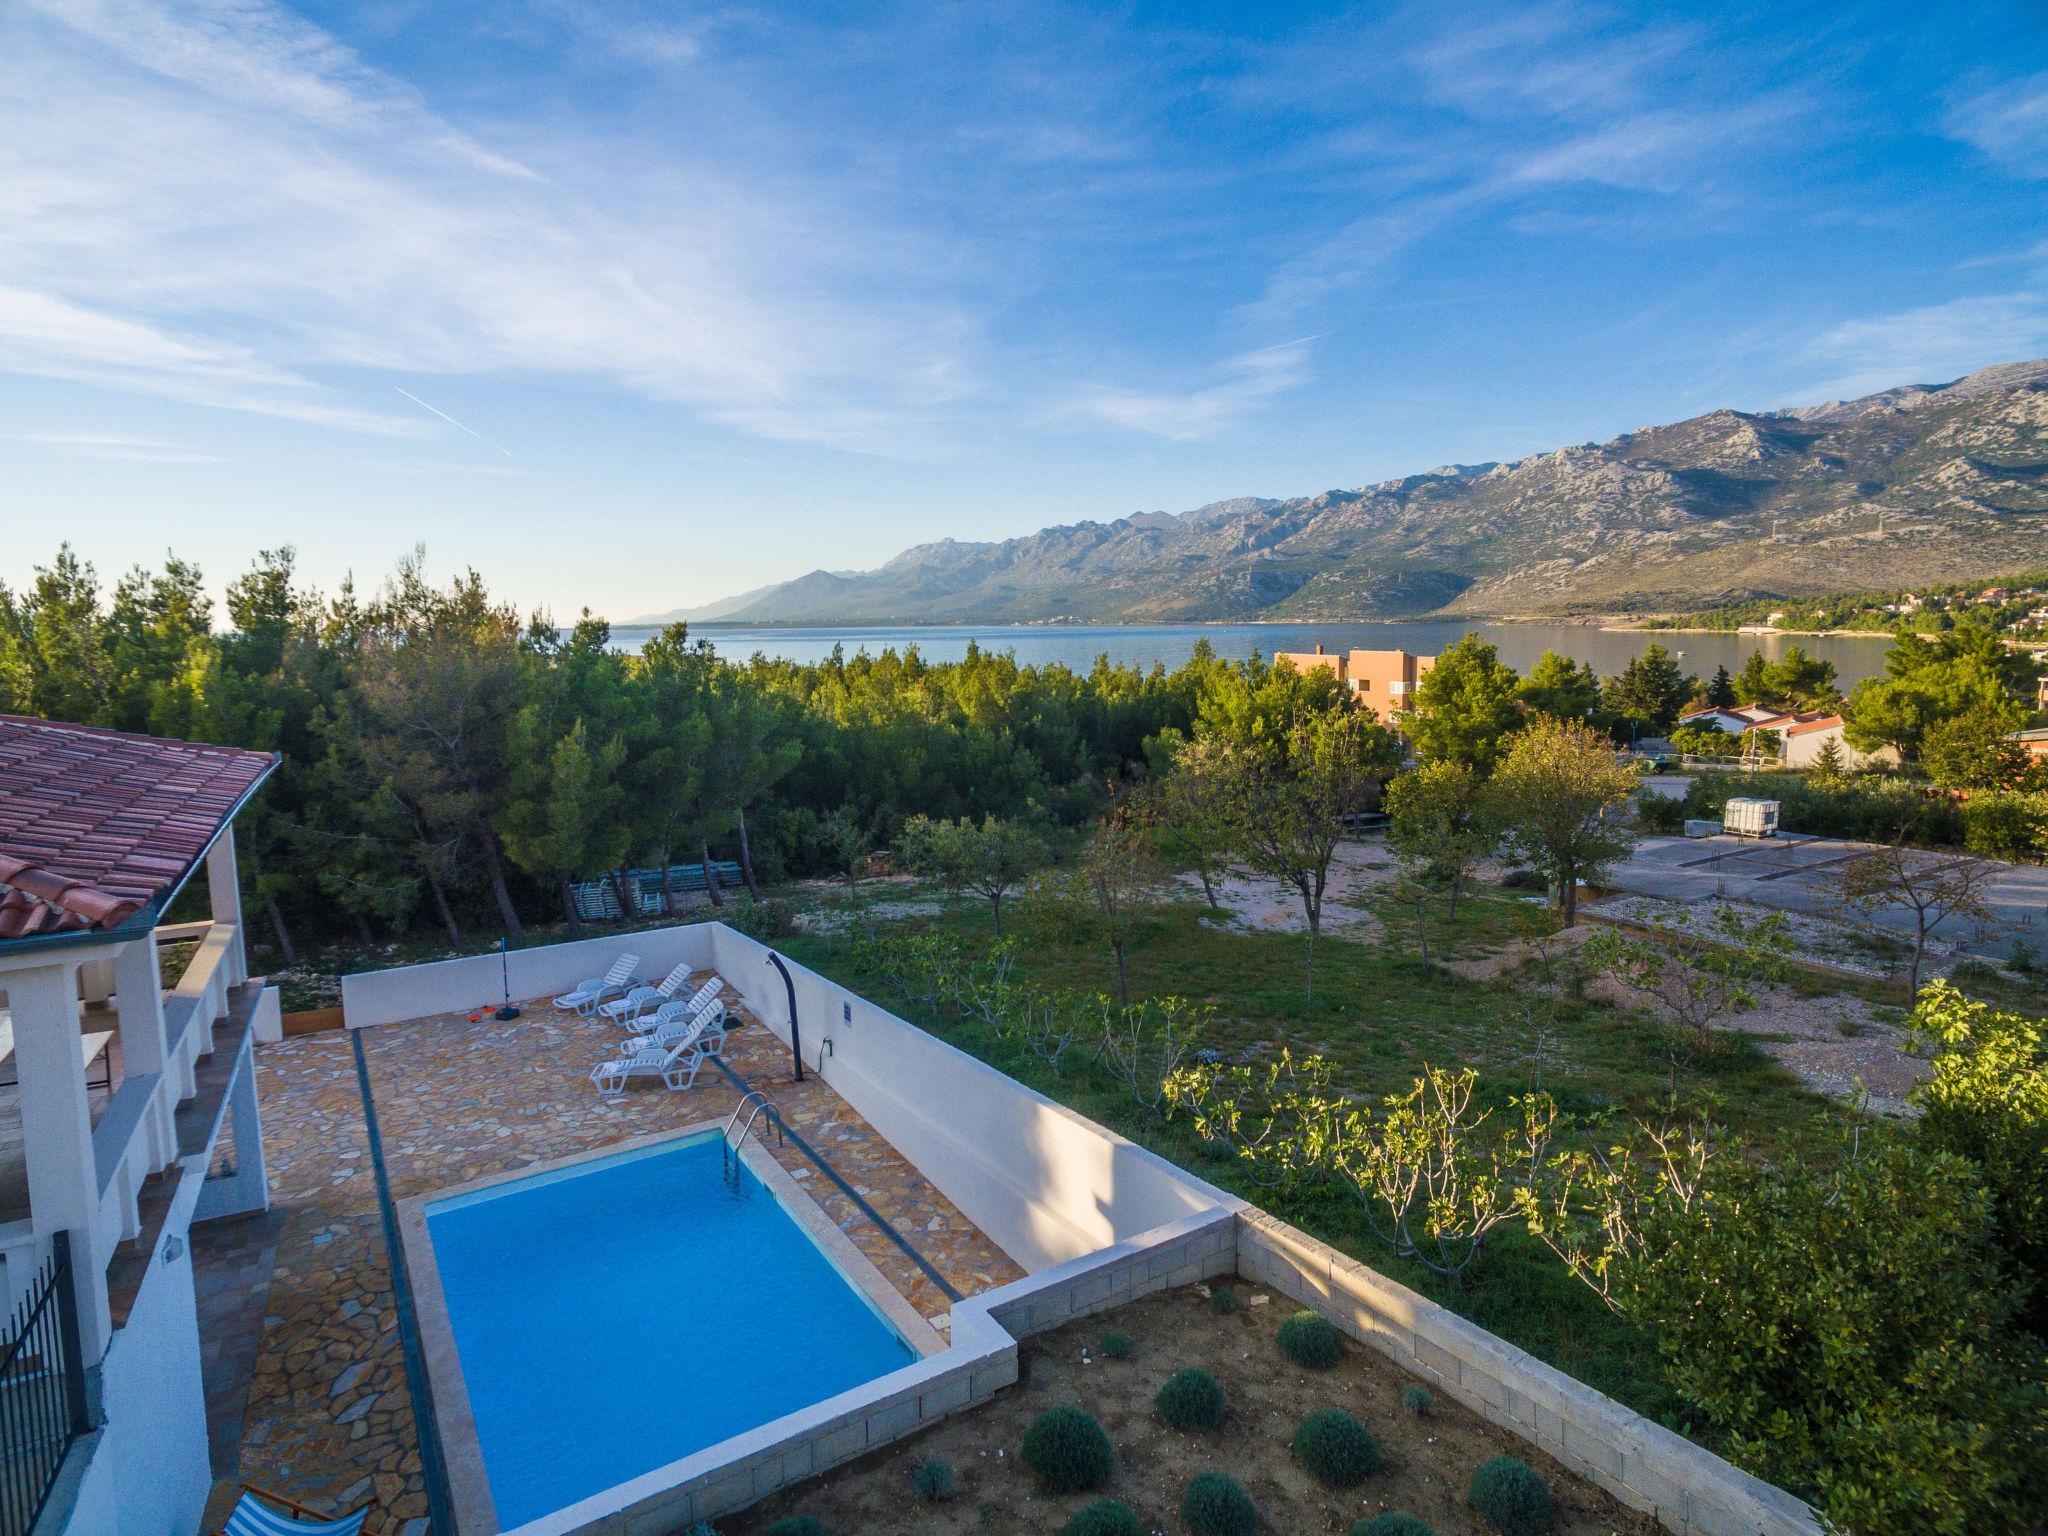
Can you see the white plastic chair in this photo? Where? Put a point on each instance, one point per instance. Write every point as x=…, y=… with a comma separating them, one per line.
x=588, y=994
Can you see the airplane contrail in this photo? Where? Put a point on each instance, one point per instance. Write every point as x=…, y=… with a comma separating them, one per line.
x=472, y=431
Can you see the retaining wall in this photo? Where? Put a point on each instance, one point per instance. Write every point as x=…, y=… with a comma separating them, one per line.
x=1687, y=1489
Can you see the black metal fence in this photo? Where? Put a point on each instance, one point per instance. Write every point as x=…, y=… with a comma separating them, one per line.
x=42, y=1392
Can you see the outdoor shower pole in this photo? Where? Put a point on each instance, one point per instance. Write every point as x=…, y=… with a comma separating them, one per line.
x=796, y=1040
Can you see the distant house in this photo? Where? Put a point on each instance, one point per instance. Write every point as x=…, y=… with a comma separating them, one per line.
x=1806, y=738
x=1383, y=679
x=1729, y=720
x=2035, y=741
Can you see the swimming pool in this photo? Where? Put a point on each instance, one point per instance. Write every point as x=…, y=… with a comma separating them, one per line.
x=618, y=1314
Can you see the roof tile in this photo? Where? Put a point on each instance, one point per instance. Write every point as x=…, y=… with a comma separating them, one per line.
x=95, y=824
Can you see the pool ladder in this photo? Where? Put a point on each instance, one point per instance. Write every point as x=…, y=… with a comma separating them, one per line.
x=753, y=1106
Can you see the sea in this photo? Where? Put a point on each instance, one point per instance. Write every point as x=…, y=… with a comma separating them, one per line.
x=1078, y=645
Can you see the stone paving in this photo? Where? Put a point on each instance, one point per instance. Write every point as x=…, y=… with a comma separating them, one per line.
x=329, y=1419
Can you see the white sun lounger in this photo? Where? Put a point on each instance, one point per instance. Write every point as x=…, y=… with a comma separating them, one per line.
x=627, y=1009
x=589, y=994
x=676, y=1020
x=677, y=1067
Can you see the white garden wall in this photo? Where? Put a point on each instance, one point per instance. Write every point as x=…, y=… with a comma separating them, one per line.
x=447, y=986
x=1045, y=1183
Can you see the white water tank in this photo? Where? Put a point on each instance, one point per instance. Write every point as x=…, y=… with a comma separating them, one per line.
x=1750, y=818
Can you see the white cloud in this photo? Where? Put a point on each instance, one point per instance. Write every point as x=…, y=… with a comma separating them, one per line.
x=103, y=445
x=1930, y=345
x=1242, y=385
x=2009, y=123
x=1520, y=108
x=222, y=205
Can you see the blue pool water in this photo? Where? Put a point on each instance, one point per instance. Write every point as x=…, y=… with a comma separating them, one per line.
x=620, y=1314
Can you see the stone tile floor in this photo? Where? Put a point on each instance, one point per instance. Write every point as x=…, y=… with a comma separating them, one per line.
x=327, y=1416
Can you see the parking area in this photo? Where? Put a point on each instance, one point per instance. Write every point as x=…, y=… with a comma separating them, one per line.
x=1803, y=874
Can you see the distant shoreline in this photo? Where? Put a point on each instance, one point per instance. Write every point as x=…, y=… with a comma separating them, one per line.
x=1705, y=629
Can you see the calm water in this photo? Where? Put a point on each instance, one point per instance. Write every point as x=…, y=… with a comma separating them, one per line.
x=1855, y=657
x=617, y=1317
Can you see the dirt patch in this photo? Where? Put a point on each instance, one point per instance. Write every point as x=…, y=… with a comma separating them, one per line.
x=827, y=907
x=1429, y=1461
x=1254, y=904
x=1835, y=1044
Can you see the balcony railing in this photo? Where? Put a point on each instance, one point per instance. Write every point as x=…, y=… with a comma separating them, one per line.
x=43, y=1404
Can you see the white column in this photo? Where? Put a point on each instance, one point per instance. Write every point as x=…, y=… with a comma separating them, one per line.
x=138, y=992
x=56, y=1132
x=224, y=893
x=248, y=1188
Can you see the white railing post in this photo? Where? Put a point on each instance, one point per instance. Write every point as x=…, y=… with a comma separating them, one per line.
x=138, y=991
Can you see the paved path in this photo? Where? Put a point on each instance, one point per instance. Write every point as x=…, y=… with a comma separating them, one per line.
x=327, y=1417
x=1802, y=874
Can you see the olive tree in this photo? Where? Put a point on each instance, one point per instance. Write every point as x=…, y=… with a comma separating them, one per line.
x=1559, y=794
x=1291, y=805
x=991, y=859
x=1442, y=825
x=1932, y=888
x=1110, y=892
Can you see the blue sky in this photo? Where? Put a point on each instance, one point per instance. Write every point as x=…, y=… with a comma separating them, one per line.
x=635, y=305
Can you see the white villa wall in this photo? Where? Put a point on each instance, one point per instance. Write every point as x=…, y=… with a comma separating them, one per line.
x=145, y=1471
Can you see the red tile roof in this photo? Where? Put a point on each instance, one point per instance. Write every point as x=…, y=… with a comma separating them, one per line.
x=1817, y=722
x=97, y=825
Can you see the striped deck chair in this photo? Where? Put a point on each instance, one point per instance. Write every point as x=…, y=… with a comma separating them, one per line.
x=259, y=1512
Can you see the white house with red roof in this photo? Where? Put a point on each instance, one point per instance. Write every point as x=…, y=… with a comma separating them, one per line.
x=119, y=1089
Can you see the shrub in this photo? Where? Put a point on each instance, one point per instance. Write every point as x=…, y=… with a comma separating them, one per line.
x=1116, y=1346
x=1335, y=1449
x=770, y=918
x=1223, y=1300
x=1190, y=1400
x=1105, y=1517
x=1418, y=1400
x=700, y=1528
x=1511, y=1497
x=1215, y=1505
x=797, y=1525
x=1310, y=1339
x=931, y=1481
x=1395, y=1522
x=1659, y=813
x=1524, y=880
x=1988, y=1101
x=1066, y=1447
x=1902, y=1335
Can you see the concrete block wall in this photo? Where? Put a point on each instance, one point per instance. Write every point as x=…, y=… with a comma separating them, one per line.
x=1199, y=1247
x=1685, y=1488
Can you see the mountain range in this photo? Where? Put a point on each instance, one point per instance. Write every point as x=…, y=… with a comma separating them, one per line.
x=1915, y=484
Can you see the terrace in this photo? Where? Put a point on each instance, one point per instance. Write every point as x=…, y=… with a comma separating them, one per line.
x=320, y=1409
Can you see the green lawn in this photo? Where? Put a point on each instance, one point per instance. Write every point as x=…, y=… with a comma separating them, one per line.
x=1380, y=1014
